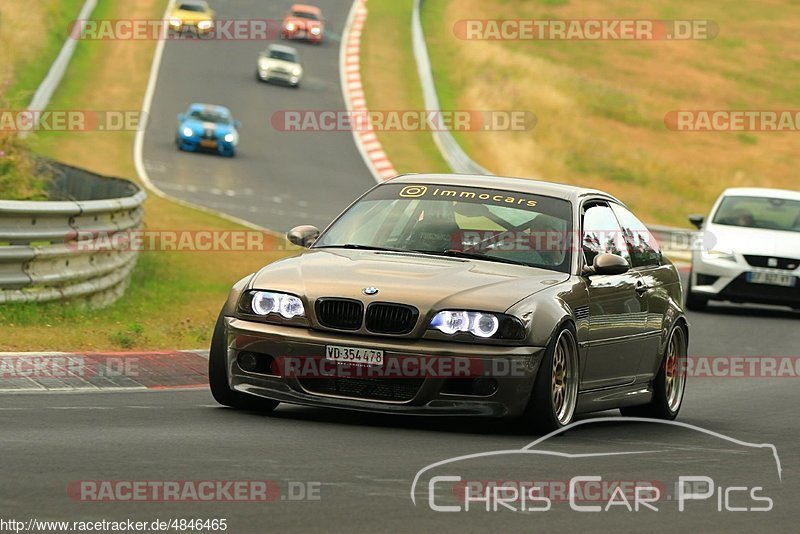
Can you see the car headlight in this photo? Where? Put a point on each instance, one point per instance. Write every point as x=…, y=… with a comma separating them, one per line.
x=175, y=22
x=188, y=132
x=263, y=64
x=290, y=26
x=297, y=71
x=720, y=254
x=229, y=138
x=204, y=25
x=477, y=323
x=268, y=302
x=315, y=31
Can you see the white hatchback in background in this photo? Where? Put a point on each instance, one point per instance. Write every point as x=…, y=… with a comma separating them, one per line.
x=749, y=251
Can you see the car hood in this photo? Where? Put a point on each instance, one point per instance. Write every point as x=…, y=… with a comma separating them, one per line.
x=199, y=126
x=755, y=241
x=190, y=16
x=427, y=282
x=279, y=63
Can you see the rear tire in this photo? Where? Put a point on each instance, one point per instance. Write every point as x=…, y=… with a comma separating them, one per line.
x=218, y=377
x=670, y=382
x=555, y=389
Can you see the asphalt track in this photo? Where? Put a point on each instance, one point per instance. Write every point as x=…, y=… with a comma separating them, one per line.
x=364, y=464
x=278, y=179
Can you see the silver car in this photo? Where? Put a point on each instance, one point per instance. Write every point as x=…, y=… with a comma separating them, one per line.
x=280, y=63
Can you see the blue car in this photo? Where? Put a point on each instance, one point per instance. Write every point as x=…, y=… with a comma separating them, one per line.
x=207, y=127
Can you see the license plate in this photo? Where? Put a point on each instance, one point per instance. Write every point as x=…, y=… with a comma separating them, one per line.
x=336, y=353
x=773, y=279
x=301, y=34
x=206, y=143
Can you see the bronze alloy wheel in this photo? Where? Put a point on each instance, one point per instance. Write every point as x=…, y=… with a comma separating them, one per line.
x=564, y=377
x=675, y=369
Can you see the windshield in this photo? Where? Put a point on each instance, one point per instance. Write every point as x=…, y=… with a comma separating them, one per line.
x=208, y=115
x=488, y=224
x=304, y=15
x=759, y=212
x=283, y=56
x=197, y=8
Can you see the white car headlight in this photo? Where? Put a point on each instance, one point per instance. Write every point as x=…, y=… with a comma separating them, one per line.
x=267, y=302
x=297, y=71
x=719, y=254
x=229, y=138
x=477, y=323
x=315, y=30
x=290, y=26
x=175, y=22
x=188, y=132
x=263, y=64
x=204, y=24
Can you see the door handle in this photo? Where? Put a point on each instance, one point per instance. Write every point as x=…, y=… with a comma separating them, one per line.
x=641, y=288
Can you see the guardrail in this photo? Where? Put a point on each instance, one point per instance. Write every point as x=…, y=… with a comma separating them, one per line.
x=676, y=242
x=44, y=251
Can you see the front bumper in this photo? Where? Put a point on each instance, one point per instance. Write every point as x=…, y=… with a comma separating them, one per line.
x=191, y=27
x=271, y=75
x=720, y=279
x=301, y=35
x=512, y=368
x=195, y=144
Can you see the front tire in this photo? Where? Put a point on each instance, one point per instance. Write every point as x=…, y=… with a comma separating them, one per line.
x=670, y=382
x=555, y=390
x=218, y=377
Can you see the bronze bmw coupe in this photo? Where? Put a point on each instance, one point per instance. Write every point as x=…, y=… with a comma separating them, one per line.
x=462, y=295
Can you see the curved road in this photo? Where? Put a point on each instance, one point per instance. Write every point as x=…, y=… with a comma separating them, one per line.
x=278, y=179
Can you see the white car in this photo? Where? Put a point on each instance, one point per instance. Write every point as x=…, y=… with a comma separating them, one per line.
x=749, y=249
x=279, y=63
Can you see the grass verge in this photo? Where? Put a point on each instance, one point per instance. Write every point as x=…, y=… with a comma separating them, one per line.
x=389, y=76
x=174, y=297
x=601, y=105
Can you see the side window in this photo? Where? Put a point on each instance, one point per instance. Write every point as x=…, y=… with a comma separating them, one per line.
x=642, y=244
x=602, y=233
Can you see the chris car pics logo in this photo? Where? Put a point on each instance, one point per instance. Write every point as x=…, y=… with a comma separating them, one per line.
x=413, y=191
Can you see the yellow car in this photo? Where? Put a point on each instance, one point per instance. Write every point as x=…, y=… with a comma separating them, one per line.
x=192, y=15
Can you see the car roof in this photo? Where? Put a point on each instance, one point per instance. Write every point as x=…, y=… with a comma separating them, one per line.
x=282, y=48
x=761, y=192
x=522, y=185
x=305, y=7
x=211, y=107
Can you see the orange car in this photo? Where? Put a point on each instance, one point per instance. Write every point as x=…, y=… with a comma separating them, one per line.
x=303, y=22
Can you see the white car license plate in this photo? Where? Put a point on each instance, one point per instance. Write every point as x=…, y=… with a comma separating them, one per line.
x=337, y=353
x=773, y=279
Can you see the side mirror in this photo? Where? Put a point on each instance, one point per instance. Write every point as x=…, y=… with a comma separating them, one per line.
x=237, y=123
x=697, y=220
x=608, y=264
x=181, y=117
x=303, y=236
